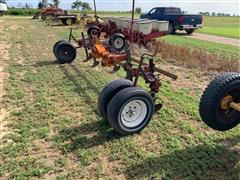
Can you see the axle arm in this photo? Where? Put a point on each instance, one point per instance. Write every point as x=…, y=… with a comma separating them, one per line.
x=235, y=106
x=168, y=74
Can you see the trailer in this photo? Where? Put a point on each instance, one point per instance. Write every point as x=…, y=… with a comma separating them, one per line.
x=70, y=19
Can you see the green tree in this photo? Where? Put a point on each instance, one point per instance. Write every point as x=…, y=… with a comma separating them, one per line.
x=83, y=5
x=77, y=5
x=86, y=6
x=138, y=10
x=56, y=3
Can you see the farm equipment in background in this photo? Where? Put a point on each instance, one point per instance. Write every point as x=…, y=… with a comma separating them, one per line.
x=3, y=7
x=50, y=11
x=220, y=103
x=70, y=19
x=139, y=31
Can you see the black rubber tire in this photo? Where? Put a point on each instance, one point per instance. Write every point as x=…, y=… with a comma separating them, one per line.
x=64, y=21
x=190, y=31
x=114, y=39
x=210, y=110
x=93, y=30
x=43, y=17
x=108, y=92
x=1, y=13
x=65, y=52
x=171, y=28
x=55, y=45
x=69, y=21
x=121, y=99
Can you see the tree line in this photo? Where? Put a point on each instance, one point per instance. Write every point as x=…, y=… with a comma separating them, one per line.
x=215, y=14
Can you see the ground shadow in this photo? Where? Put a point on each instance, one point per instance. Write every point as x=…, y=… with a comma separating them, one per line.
x=86, y=136
x=45, y=63
x=217, y=161
x=82, y=90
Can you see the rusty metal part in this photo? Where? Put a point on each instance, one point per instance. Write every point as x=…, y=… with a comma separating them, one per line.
x=227, y=103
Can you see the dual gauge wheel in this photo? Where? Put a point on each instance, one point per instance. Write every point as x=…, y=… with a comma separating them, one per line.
x=126, y=108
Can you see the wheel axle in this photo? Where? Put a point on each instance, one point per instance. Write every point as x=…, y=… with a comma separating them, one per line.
x=235, y=106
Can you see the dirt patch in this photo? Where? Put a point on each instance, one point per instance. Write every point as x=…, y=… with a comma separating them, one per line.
x=217, y=39
x=15, y=27
x=3, y=124
x=5, y=57
x=193, y=80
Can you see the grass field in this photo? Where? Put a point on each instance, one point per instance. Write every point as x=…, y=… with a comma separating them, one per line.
x=222, y=26
x=212, y=47
x=52, y=129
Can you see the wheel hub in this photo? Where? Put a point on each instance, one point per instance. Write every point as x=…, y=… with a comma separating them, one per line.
x=225, y=103
x=134, y=113
x=118, y=43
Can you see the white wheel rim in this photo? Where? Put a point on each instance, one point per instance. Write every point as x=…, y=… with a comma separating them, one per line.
x=134, y=113
x=118, y=43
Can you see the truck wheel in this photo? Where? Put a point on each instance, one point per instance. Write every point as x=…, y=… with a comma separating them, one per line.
x=190, y=31
x=215, y=108
x=109, y=92
x=130, y=110
x=93, y=31
x=69, y=22
x=171, y=29
x=55, y=45
x=64, y=21
x=1, y=13
x=117, y=41
x=65, y=52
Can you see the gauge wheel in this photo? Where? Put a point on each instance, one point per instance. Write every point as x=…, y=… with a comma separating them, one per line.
x=93, y=31
x=65, y=52
x=55, y=45
x=117, y=42
x=216, y=103
x=130, y=110
x=108, y=92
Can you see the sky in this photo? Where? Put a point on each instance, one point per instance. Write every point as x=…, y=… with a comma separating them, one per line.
x=191, y=6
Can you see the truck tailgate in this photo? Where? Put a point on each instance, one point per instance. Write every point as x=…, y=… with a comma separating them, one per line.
x=192, y=19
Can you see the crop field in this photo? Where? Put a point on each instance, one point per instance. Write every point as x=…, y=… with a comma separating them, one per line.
x=50, y=127
x=222, y=26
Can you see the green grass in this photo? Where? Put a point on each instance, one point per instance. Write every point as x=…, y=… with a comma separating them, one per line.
x=222, y=26
x=56, y=133
x=212, y=47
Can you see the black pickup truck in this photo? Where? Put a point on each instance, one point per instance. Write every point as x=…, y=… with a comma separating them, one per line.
x=177, y=19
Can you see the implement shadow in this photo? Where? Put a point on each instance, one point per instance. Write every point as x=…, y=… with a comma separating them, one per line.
x=80, y=89
x=218, y=161
x=91, y=133
x=88, y=134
